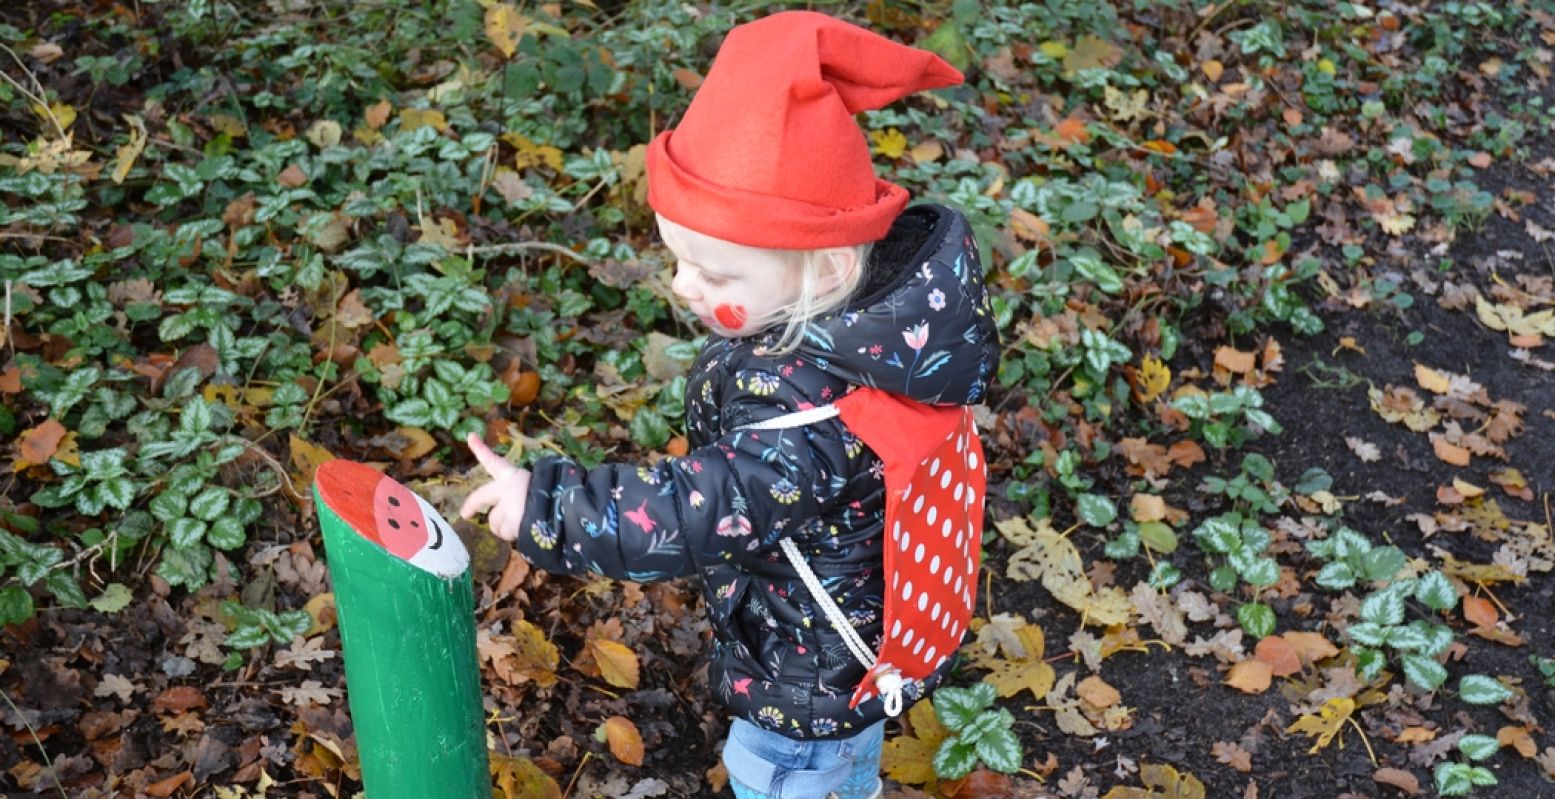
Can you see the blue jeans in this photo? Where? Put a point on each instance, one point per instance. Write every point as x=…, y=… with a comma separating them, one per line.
x=766, y=765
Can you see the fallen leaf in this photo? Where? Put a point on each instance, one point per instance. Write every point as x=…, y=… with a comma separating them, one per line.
x=292, y=176
x=1479, y=611
x=1365, y=450
x=1282, y=658
x=1432, y=380
x=1398, y=778
x=1234, y=360
x=1324, y=725
x=1519, y=739
x=1448, y=452
x=505, y=27
x=1251, y=676
x=1466, y=489
x=625, y=742
x=617, y=662
x=1232, y=754
x=1147, y=507
x=40, y=443
x=1097, y=692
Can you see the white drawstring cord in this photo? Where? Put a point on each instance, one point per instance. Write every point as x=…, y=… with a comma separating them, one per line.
x=888, y=683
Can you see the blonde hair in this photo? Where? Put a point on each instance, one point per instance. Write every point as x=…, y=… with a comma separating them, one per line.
x=811, y=303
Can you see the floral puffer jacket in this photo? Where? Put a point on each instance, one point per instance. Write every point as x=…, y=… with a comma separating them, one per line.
x=922, y=328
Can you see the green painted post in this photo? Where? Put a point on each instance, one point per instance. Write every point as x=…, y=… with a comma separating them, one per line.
x=405, y=602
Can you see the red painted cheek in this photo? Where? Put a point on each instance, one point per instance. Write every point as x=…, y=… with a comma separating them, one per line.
x=730, y=316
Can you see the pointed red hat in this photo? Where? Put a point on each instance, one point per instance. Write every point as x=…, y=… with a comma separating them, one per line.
x=769, y=155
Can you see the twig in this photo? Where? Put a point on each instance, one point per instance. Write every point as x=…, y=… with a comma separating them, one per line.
x=274, y=464
x=35, y=739
x=523, y=246
x=576, y=772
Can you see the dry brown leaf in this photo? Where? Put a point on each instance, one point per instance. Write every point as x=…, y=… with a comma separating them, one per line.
x=1234, y=360
x=1398, y=778
x=1147, y=507
x=1232, y=754
x=1363, y=449
x=1466, y=489
x=1449, y=452
x=1096, y=692
x=1480, y=612
x=1519, y=739
x=1282, y=658
x=1250, y=676
x=1310, y=647
x=625, y=742
x=40, y=443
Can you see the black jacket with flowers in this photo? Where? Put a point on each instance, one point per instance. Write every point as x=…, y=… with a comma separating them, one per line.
x=922, y=328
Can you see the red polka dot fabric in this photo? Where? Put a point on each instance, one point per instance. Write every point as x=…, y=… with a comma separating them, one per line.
x=934, y=476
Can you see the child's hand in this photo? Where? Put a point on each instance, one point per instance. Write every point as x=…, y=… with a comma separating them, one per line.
x=505, y=495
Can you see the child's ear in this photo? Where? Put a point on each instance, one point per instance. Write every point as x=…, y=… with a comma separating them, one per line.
x=842, y=263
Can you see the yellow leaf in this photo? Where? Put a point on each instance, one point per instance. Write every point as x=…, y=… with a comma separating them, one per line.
x=1170, y=783
x=909, y=760
x=617, y=662
x=228, y=124
x=1054, y=50
x=1124, y=105
x=1097, y=692
x=128, y=152
x=442, y=232
x=505, y=27
x=321, y=609
x=61, y=113
x=412, y=118
x=1027, y=225
x=307, y=457
x=1395, y=223
x=926, y=725
x=1054, y=561
x=531, y=154
x=1326, y=66
x=1432, y=380
x=520, y=778
x=890, y=143
x=1154, y=376
x=522, y=657
x=1250, y=676
x=1213, y=69
x=1467, y=489
x=1326, y=723
x=926, y=151
x=1091, y=52
x=324, y=133
x=625, y=742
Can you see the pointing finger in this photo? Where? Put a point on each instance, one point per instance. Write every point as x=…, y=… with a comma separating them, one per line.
x=494, y=464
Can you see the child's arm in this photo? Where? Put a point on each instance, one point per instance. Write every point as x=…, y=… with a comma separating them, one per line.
x=738, y=495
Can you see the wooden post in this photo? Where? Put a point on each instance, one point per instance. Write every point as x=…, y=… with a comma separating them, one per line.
x=405, y=603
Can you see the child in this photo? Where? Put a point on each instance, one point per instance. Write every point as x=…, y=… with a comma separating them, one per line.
x=813, y=281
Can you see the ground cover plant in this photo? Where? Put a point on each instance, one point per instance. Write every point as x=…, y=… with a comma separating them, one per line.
x=1269, y=461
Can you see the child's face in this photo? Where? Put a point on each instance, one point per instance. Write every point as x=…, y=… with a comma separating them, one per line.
x=732, y=288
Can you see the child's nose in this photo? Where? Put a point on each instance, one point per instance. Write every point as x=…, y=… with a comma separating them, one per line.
x=683, y=285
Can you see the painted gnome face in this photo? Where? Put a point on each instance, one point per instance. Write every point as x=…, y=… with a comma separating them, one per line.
x=380, y=509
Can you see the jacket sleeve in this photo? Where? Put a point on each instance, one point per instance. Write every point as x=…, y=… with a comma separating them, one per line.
x=725, y=501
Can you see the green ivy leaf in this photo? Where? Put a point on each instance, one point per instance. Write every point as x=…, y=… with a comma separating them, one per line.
x=185, y=532
x=15, y=605
x=955, y=758
x=1262, y=572
x=210, y=503
x=1382, y=563
x=1158, y=536
x=66, y=590
x=1256, y=618
x=1423, y=671
x=1478, y=689
x=1436, y=591
x=248, y=636
x=226, y=534
x=1336, y=576
x=958, y=707
x=114, y=598
x=1096, y=510
x=1383, y=607
x=1478, y=747
x=1001, y=751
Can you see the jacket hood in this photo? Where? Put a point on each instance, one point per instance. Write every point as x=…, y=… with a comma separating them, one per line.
x=921, y=325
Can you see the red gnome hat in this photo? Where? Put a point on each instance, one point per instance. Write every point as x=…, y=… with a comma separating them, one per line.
x=769, y=155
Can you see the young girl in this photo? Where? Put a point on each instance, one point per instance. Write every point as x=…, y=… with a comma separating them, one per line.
x=813, y=281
